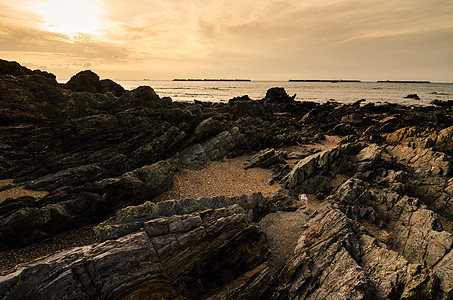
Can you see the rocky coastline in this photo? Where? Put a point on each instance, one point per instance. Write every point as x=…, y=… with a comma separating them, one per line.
x=368, y=218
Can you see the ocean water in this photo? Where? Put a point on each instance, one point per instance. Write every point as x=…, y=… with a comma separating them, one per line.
x=344, y=92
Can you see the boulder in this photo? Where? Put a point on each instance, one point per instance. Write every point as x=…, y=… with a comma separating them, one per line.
x=264, y=159
x=413, y=96
x=352, y=119
x=88, y=81
x=200, y=155
x=314, y=173
x=277, y=95
x=144, y=96
x=302, y=154
x=444, y=140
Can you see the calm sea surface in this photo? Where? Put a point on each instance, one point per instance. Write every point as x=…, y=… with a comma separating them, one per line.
x=344, y=92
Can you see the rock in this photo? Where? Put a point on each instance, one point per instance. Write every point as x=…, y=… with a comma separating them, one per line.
x=190, y=255
x=314, y=173
x=444, y=141
x=302, y=154
x=396, y=276
x=208, y=128
x=420, y=236
x=87, y=205
x=71, y=177
x=107, y=85
x=103, y=156
x=88, y=81
x=279, y=171
x=144, y=96
x=352, y=119
x=194, y=157
x=243, y=107
x=425, y=159
x=443, y=270
x=264, y=159
x=343, y=129
x=200, y=155
x=244, y=98
x=132, y=218
x=441, y=103
x=277, y=95
x=352, y=192
x=413, y=96
x=15, y=69
x=322, y=265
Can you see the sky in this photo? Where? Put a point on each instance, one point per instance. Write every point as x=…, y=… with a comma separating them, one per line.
x=258, y=40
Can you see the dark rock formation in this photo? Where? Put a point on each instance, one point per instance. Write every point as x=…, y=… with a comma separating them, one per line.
x=369, y=219
x=84, y=205
x=277, y=95
x=88, y=81
x=447, y=104
x=264, y=159
x=15, y=69
x=182, y=255
x=413, y=96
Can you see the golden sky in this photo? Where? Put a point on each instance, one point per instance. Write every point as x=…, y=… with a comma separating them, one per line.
x=259, y=39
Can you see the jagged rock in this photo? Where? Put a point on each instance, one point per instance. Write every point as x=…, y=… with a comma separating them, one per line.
x=191, y=254
x=322, y=265
x=244, y=98
x=277, y=95
x=264, y=159
x=377, y=236
x=444, y=140
x=352, y=192
x=352, y=119
x=82, y=104
x=419, y=235
x=88, y=81
x=279, y=171
x=429, y=161
x=206, y=129
x=241, y=107
x=443, y=270
x=15, y=69
x=437, y=102
x=200, y=155
x=413, y=96
x=70, y=177
x=144, y=96
x=313, y=173
x=302, y=154
x=132, y=218
x=397, y=278
x=91, y=203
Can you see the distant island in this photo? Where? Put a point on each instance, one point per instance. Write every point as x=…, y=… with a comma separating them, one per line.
x=192, y=79
x=321, y=80
x=403, y=81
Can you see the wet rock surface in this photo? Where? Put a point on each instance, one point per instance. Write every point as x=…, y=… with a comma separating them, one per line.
x=368, y=219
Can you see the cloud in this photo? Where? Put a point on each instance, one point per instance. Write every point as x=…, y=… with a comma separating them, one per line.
x=268, y=39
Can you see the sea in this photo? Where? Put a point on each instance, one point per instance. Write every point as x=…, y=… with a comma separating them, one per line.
x=343, y=92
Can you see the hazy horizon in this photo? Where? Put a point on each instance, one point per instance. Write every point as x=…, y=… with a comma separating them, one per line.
x=267, y=40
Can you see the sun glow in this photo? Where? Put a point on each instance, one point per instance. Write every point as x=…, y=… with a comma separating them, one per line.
x=71, y=17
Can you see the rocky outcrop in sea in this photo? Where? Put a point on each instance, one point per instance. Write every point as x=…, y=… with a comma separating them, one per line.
x=368, y=219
